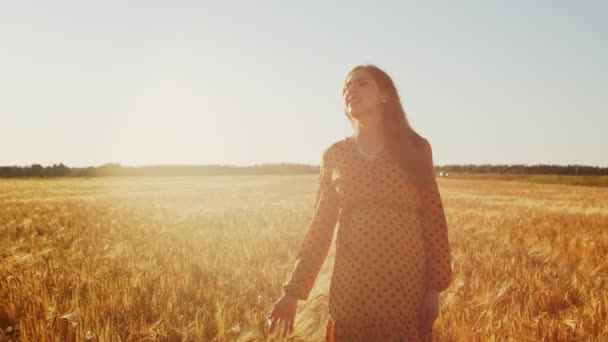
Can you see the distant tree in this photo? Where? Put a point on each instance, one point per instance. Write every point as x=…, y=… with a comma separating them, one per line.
x=57, y=170
x=36, y=170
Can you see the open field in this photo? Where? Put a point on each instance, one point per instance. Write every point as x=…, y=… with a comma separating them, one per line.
x=599, y=181
x=203, y=258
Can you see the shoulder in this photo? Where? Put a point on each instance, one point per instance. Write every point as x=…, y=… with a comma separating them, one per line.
x=426, y=145
x=425, y=151
x=423, y=144
x=334, y=149
x=419, y=141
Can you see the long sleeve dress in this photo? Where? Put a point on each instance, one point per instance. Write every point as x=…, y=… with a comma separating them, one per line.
x=391, y=244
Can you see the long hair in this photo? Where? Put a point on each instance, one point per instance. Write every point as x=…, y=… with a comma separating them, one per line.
x=401, y=140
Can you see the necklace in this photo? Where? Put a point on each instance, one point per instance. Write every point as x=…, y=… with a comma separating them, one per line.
x=361, y=151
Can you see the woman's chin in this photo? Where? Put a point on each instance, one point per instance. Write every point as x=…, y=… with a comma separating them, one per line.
x=356, y=113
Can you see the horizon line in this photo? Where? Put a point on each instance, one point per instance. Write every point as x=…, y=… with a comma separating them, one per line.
x=275, y=164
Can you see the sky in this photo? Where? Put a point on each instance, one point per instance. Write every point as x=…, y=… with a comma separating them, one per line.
x=248, y=82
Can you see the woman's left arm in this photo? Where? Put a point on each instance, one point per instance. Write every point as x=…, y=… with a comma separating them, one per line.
x=434, y=230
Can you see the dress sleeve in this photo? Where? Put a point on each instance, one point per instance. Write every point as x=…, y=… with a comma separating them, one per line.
x=317, y=240
x=434, y=231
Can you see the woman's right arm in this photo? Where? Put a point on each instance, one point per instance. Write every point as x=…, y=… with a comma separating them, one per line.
x=317, y=241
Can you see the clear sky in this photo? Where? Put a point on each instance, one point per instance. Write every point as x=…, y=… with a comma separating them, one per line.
x=226, y=82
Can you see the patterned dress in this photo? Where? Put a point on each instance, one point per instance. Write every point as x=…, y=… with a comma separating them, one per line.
x=391, y=244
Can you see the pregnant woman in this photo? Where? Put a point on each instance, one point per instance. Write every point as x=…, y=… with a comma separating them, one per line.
x=392, y=252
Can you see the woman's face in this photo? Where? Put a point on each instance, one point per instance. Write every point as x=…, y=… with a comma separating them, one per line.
x=361, y=93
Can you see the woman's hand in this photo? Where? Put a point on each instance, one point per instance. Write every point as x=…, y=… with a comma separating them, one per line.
x=429, y=309
x=283, y=311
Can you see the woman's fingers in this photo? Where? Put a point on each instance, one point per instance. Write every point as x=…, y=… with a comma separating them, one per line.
x=424, y=319
x=283, y=314
x=285, y=322
x=428, y=324
x=286, y=325
x=425, y=325
x=274, y=323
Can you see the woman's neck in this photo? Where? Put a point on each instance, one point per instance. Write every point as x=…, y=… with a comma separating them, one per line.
x=369, y=136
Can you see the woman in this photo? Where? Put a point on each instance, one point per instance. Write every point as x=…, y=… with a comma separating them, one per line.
x=392, y=252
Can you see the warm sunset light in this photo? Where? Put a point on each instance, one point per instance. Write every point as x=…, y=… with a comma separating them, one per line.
x=303, y=171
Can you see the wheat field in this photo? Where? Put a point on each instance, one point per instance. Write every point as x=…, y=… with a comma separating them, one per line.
x=203, y=259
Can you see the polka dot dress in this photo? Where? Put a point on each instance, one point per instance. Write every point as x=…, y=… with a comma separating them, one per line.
x=391, y=245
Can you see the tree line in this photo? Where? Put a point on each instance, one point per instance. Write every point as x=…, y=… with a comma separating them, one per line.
x=547, y=169
x=115, y=169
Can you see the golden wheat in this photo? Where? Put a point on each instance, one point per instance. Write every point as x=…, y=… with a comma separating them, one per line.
x=203, y=259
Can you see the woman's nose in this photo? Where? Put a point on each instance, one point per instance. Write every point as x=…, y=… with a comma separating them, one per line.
x=350, y=93
x=348, y=89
